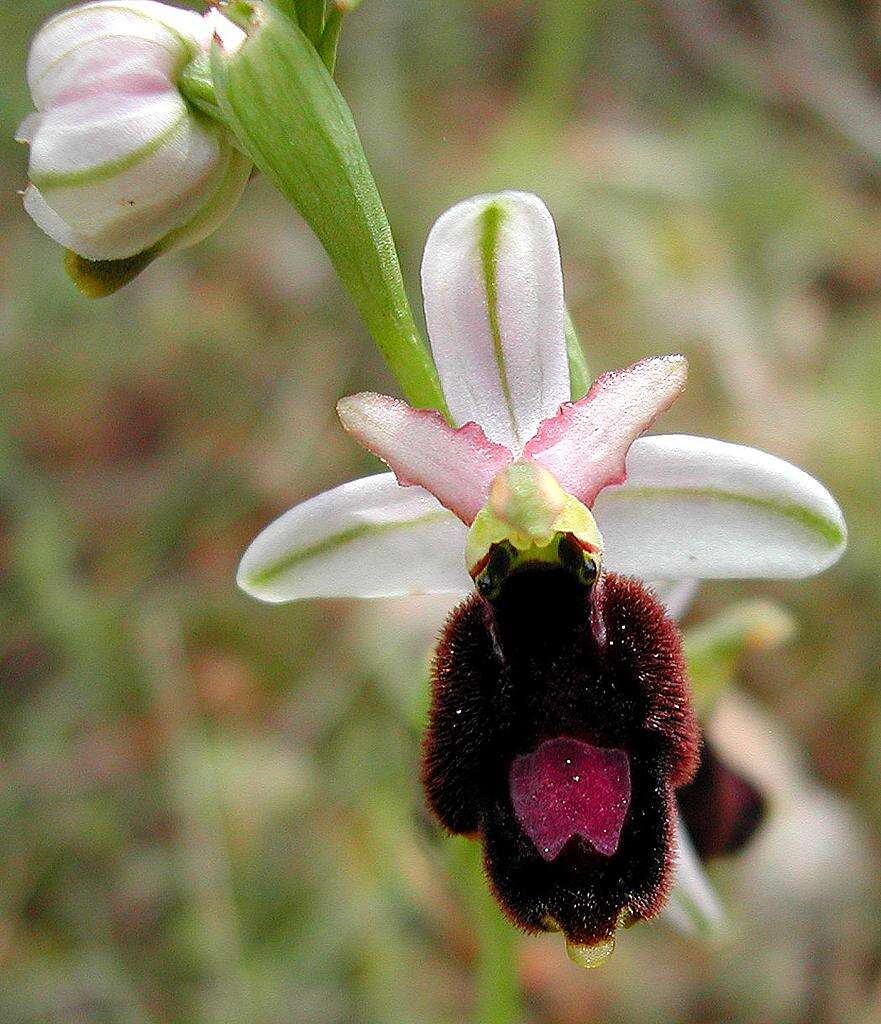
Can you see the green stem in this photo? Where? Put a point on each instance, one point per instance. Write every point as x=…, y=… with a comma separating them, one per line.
x=579, y=372
x=563, y=31
x=497, y=998
x=327, y=46
x=279, y=99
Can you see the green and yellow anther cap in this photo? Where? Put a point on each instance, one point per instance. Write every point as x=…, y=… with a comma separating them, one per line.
x=529, y=510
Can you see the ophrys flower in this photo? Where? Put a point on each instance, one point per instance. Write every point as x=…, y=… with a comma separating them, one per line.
x=561, y=722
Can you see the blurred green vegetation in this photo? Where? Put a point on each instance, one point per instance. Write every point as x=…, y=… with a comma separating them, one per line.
x=209, y=809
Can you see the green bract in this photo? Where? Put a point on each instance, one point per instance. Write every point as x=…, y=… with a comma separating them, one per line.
x=278, y=96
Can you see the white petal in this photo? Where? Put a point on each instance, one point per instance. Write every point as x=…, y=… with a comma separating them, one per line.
x=586, y=443
x=217, y=202
x=693, y=907
x=367, y=538
x=48, y=220
x=456, y=466
x=118, y=159
x=94, y=140
x=147, y=27
x=135, y=209
x=696, y=508
x=675, y=595
x=180, y=33
x=493, y=291
x=230, y=35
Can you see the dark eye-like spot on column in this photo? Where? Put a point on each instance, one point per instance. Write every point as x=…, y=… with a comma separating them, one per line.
x=497, y=568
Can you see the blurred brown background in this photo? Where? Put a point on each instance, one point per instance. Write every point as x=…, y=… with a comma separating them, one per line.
x=209, y=809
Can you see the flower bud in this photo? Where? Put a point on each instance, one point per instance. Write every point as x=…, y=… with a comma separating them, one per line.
x=121, y=166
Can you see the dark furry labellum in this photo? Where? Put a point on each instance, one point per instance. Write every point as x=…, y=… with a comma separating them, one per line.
x=560, y=727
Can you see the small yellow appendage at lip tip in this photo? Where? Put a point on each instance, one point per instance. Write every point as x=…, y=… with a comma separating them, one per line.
x=594, y=955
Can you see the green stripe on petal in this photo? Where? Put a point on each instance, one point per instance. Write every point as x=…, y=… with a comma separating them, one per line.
x=697, y=508
x=366, y=538
x=102, y=172
x=832, y=533
x=493, y=288
x=289, y=562
x=491, y=222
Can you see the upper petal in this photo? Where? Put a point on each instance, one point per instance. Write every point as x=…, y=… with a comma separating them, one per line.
x=456, y=466
x=366, y=538
x=585, y=444
x=493, y=291
x=134, y=29
x=696, y=508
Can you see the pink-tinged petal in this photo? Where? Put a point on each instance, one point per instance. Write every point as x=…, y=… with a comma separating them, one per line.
x=569, y=788
x=586, y=443
x=175, y=36
x=120, y=164
x=493, y=291
x=456, y=466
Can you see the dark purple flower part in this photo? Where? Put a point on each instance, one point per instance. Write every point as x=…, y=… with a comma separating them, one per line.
x=548, y=789
x=561, y=726
x=721, y=809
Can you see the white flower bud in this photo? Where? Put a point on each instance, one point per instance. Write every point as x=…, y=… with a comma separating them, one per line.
x=121, y=165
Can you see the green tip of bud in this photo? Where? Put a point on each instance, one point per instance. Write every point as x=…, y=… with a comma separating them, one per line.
x=593, y=955
x=97, y=279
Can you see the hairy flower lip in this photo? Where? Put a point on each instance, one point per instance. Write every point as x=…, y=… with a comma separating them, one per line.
x=480, y=724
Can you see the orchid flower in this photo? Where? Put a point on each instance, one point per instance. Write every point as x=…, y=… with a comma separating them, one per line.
x=561, y=722
x=122, y=167
x=668, y=507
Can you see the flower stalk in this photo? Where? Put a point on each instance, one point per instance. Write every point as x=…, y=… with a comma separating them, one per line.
x=497, y=993
x=579, y=371
x=278, y=97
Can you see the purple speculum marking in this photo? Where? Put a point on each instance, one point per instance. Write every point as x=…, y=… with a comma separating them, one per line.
x=567, y=787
